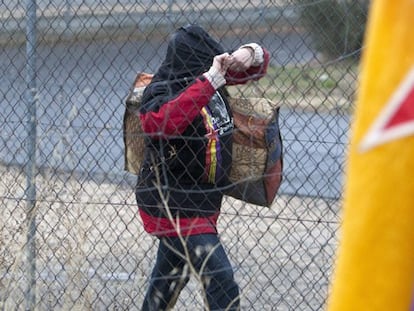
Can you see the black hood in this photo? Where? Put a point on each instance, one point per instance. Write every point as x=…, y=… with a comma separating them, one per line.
x=190, y=52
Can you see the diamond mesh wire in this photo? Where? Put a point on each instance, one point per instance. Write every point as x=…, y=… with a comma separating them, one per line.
x=90, y=251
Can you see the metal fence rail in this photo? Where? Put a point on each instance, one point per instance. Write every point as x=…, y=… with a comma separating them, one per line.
x=70, y=235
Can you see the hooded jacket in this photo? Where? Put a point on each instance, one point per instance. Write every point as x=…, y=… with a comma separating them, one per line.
x=188, y=154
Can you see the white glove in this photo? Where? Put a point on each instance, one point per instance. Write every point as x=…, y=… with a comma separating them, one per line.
x=242, y=59
x=218, y=70
x=246, y=56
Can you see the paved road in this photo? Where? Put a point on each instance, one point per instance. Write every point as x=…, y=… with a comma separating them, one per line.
x=16, y=8
x=85, y=16
x=81, y=88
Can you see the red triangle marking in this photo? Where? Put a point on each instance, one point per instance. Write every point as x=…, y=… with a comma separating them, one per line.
x=405, y=112
x=396, y=120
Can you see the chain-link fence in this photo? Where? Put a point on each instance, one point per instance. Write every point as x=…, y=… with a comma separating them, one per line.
x=71, y=237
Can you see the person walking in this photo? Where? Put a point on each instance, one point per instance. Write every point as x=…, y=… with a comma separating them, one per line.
x=188, y=124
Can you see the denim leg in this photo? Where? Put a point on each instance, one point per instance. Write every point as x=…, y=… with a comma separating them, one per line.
x=169, y=275
x=210, y=259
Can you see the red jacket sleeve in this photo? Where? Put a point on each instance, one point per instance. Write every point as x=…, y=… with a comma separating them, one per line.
x=175, y=115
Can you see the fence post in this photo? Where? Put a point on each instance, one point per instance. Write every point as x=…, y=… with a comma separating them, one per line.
x=30, y=168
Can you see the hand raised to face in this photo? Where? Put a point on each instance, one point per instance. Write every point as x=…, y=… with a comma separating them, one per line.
x=221, y=63
x=241, y=59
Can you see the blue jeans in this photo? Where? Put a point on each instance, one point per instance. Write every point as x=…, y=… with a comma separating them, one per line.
x=171, y=273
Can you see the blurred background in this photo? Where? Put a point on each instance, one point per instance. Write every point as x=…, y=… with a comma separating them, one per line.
x=70, y=234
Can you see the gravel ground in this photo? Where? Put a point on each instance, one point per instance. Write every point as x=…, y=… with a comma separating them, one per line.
x=92, y=253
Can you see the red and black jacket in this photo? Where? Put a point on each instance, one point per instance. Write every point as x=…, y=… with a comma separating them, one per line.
x=188, y=151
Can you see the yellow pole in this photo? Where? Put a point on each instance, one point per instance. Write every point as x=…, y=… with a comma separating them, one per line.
x=375, y=260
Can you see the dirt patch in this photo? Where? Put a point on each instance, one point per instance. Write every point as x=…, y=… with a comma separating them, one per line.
x=92, y=253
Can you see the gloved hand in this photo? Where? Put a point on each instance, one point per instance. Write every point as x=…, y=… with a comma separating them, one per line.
x=246, y=56
x=218, y=70
x=242, y=59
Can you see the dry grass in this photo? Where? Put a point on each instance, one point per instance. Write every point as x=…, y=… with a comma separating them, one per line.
x=92, y=253
x=314, y=87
